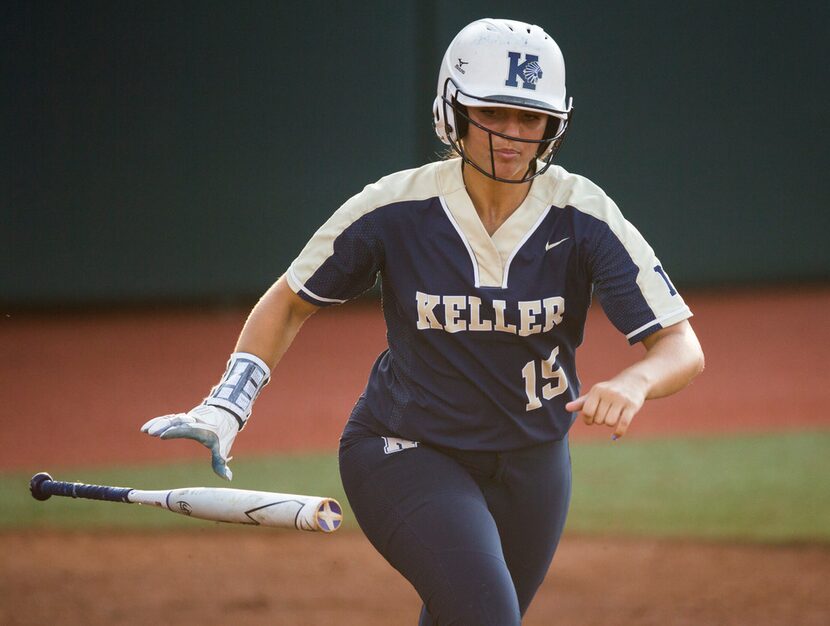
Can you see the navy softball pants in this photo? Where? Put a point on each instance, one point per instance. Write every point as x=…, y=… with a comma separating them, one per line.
x=474, y=532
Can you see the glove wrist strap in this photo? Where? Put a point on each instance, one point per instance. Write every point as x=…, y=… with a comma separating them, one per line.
x=244, y=378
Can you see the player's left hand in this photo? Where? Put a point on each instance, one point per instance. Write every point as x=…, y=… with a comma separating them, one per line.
x=213, y=427
x=612, y=403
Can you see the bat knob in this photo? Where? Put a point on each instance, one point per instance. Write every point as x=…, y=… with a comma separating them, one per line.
x=35, y=486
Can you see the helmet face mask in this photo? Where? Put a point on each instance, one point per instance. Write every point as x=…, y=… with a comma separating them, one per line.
x=548, y=146
x=502, y=63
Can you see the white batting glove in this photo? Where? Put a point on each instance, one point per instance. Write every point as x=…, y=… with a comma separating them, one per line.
x=224, y=412
x=211, y=426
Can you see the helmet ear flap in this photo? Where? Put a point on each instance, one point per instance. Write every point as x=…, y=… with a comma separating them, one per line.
x=449, y=119
x=439, y=124
x=553, y=126
x=461, y=123
x=552, y=129
x=555, y=132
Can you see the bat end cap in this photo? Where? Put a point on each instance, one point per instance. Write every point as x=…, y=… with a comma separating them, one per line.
x=35, y=486
x=329, y=515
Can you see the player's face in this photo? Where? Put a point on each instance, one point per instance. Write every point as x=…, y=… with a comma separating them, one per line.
x=510, y=158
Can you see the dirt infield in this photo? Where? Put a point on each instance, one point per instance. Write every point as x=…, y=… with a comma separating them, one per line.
x=210, y=577
x=83, y=384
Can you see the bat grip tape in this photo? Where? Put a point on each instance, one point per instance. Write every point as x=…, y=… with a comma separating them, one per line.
x=90, y=492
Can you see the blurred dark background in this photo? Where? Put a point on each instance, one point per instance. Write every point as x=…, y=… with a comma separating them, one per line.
x=183, y=152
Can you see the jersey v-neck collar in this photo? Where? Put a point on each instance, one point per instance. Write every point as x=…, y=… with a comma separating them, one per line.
x=490, y=254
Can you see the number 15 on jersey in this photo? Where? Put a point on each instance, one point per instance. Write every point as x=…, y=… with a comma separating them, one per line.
x=547, y=370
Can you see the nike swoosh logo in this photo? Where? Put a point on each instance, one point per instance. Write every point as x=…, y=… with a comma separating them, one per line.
x=548, y=246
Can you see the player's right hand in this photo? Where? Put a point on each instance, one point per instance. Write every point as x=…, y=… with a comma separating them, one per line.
x=213, y=427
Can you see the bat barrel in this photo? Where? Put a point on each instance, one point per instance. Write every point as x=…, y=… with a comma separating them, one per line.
x=43, y=487
x=244, y=506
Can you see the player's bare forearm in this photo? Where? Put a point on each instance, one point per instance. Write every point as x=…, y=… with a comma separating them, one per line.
x=673, y=358
x=274, y=322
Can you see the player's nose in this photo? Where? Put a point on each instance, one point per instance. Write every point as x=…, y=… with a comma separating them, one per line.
x=512, y=124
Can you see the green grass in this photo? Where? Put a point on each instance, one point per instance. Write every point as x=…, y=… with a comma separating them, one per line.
x=771, y=488
x=757, y=488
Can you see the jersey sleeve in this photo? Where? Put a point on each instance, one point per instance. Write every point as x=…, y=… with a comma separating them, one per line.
x=628, y=279
x=342, y=259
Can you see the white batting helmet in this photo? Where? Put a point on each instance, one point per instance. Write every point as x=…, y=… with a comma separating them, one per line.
x=502, y=63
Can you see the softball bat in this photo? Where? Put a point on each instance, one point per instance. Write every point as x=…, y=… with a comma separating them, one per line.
x=235, y=506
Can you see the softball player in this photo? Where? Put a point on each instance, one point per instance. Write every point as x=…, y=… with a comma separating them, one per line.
x=455, y=457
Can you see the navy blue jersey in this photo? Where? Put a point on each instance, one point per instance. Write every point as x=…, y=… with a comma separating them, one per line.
x=482, y=330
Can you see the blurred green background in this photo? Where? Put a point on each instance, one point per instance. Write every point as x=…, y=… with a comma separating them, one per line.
x=184, y=152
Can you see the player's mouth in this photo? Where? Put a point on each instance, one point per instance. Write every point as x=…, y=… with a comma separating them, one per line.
x=506, y=153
